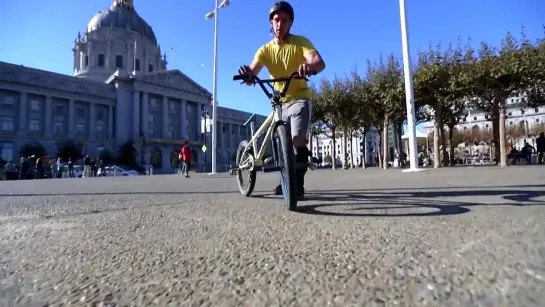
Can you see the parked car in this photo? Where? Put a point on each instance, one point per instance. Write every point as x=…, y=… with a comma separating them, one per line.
x=118, y=171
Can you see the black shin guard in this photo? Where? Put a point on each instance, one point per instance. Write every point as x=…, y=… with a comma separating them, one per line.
x=301, y=162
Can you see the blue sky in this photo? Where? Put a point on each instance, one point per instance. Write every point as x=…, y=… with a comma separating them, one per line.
x=347, y=33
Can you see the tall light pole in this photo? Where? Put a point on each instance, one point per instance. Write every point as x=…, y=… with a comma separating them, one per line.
x=409, y=95
x=214, y=14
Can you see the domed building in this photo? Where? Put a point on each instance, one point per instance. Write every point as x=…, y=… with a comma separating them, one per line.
x=117, y=39
x=120, y=91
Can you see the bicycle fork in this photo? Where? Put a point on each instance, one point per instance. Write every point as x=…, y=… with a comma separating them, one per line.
x=275, y=158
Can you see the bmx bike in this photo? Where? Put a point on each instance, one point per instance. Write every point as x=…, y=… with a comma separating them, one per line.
x=250, y=157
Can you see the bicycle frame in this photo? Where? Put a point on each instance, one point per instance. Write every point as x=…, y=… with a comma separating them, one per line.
x=268, y=126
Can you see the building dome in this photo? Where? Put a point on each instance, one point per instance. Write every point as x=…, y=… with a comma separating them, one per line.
x=122, y=15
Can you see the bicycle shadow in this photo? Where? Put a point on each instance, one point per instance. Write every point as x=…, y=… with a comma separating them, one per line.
x=413, y=202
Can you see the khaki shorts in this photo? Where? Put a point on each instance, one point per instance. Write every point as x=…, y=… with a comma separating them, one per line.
x=297, y=114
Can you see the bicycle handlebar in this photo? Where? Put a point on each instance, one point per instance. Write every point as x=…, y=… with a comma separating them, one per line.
x=262, y=83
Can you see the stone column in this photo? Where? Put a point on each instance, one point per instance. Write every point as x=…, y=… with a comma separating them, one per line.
x=227, y=137
x=48, y=118
x=108, y=55
x=75, y=55
x=145, y=68
x=90, y=54
x=23, y=110
x=136, y=113
x=130, y=57
x=111, y=122
x=71, y=118
x=145, y=114
x=183, y=123
x=92, y=121
x=81, y=60
x=199, y=115
x=165, y=118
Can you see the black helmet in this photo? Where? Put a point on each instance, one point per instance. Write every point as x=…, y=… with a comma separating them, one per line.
x=281, y=6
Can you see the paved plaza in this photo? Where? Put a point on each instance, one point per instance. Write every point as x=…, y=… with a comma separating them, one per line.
x=447, y=237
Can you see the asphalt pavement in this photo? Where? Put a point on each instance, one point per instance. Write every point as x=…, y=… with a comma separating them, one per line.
x=447, y=237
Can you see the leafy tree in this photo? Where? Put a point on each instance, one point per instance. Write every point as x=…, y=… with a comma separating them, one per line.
x=69, y=149
x=33, y=149
x=388, y=92
x=498, y=76
x=532, y=61
x=331, y=103
x=364, y=116
x=442, y=93
x=127, y=155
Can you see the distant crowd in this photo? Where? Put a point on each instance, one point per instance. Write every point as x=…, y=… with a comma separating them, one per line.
x=34, y=167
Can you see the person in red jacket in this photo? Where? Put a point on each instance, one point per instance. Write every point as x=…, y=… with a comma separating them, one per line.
x=185, y=153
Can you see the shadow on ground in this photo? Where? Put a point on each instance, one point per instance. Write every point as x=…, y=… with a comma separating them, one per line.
x=422, y=202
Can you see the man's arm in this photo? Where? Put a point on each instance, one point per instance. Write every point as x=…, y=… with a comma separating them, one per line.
x=313, y=57
x=257, y=64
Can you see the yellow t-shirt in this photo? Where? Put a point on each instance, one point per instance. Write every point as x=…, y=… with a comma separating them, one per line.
x=283, y=60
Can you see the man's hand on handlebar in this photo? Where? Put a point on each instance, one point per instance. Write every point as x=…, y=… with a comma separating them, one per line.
x=247, y=71
x=304, y=70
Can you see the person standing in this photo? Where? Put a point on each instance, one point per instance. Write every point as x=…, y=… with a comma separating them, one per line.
x=39, y=168
x=70, y=168
x=59, y=168
x=86, y=167
x=185, y=153
x=540, y=144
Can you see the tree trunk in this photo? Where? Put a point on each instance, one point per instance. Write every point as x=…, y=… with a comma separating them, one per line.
x=444, y=153
x=436, y=137
x=503, y=148
x=399, y=134
x=352, y=162
x=378, y=150
x=310, y=143
x=385, y=142
x=496, y=133
x=451, y=147
x=333, y=153
x=365, y=149
x=345, y=147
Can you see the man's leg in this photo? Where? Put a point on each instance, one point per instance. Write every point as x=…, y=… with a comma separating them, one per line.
x=297, y=114
x=540, y=157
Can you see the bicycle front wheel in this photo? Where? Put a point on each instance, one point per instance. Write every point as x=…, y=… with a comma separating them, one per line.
x=245, y=177
x=286, y=161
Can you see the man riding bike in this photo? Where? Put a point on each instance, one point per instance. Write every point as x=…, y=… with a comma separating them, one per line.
x=282, y=56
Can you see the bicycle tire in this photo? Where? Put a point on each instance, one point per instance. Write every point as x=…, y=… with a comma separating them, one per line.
x=244, y=190
x=287, y=172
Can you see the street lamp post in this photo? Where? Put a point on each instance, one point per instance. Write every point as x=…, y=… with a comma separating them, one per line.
x=214, y=14
x=409, y=95
x=205, y=128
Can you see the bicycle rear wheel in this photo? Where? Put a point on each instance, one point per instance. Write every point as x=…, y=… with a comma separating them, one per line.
x=286, y=161
x=245, y=189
